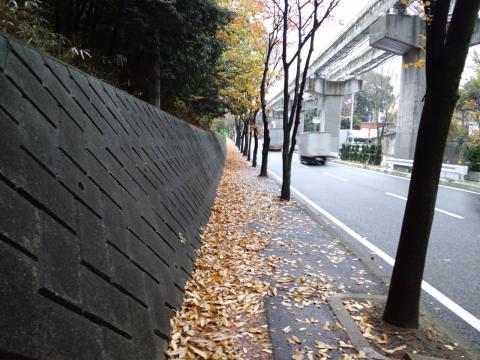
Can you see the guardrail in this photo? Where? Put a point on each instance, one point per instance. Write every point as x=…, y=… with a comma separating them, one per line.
x=449, y=171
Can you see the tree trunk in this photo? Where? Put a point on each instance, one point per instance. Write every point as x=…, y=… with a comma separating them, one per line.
x=255, y=147
x=445, y=59
x=286, y=175
x=266, y=144
x=86, y=24
x=286, y=165
x=245, y=141
x=155, y=85
x=249, y=143
x=266, y=132
x=241, y=139
x=238, y=130
x=404, y=295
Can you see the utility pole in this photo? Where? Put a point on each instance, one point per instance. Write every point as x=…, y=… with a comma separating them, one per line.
x=351, y=111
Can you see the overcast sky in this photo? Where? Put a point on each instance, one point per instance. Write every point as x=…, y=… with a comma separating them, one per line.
x=343, y=15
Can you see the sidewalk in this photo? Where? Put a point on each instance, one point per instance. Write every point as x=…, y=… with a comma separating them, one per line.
x=311, y=266
x=269, y=280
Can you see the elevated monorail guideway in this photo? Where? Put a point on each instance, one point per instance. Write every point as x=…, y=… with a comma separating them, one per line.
x=368, y=59
x=353, y=35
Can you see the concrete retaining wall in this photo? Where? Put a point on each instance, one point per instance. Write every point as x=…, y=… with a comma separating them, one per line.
x=103, y=197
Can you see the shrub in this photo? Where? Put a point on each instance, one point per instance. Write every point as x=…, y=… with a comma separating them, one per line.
x=473, y=152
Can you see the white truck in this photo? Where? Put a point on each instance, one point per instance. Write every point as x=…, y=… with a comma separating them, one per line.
x=276, y=139
x=315, y=147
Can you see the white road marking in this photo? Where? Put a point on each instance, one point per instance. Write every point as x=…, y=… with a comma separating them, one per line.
x=436, y=209
x=335, y=176
x=466, y=316
x=407, y=179
x=397, y=196
x=449, y=213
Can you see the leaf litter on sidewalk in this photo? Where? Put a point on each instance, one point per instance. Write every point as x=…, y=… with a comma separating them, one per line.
x=222, y=316
x=223, y=312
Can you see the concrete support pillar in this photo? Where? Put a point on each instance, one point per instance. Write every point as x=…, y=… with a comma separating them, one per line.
x=412, y=91
x=400, y=34
x=330, y=114
x=330, y=95
x=301, y=126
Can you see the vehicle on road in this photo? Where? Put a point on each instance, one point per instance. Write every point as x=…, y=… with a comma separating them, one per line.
x=315, y=147
x=276, y=139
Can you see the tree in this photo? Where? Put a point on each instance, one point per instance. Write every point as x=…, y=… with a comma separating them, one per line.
x=304, y=17
x=240, y=67
x=271, y=61
x=469, y=102
x=376, y=98
x=124, y=43
x=308, y=120
x=473, y=152
x=446, y=50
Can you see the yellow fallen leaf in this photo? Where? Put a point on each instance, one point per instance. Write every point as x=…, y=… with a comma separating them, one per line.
x=362, y=354
x=398, y=348
x=294, y=340
x=286, y=329
x=298, y=356
x=344, y=344
x=323, y=346
x=199, y=352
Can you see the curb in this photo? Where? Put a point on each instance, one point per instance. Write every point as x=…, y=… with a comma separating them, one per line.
x=356, y=335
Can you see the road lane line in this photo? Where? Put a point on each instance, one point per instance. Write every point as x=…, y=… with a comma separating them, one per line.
x=335, y=176
x=405, y=178
x=466, y=316
x=436, y=209
x=449, y=213
x=397, y=196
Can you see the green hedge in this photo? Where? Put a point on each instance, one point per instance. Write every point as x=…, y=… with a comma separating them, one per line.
x=473, y=156
x=368, y=154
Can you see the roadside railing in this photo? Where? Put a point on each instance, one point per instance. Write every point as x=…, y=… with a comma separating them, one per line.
x=449, y=171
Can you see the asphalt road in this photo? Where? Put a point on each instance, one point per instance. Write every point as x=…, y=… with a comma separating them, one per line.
x=372, y=204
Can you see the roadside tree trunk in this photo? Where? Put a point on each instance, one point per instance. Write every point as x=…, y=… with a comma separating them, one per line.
x=446, y=50
x=266, y=144
x=250, y=131
x=245, y=141
x=238, y=132
x=255, y=147
x=242, y=139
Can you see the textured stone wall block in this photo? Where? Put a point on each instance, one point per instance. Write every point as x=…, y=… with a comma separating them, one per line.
x=98, y=190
